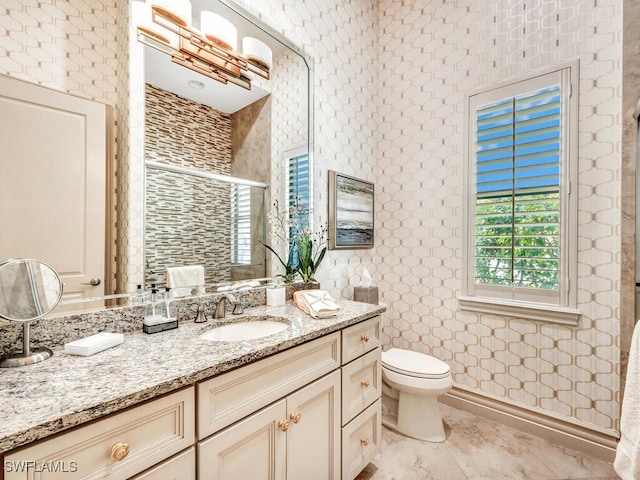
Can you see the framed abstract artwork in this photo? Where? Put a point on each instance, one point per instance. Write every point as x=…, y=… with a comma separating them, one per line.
x=350, y=212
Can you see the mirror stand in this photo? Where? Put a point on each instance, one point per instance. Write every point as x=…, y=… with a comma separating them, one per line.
x=28, y=356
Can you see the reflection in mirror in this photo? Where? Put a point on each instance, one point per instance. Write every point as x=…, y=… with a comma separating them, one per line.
x=261, y=125
x=197, y=218
x=202, y=127
x=29, y=290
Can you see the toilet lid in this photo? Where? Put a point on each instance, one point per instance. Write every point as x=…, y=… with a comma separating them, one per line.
x=414, y=364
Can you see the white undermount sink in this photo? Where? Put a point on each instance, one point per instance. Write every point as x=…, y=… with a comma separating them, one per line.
x=244, y=330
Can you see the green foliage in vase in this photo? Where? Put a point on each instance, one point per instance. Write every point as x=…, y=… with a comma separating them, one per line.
x=311, y=250
x=303, y=249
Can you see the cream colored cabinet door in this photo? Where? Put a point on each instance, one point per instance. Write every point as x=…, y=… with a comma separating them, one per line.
x=298, y=437
x=53, y=169
x=314, y=435
x=254, y=448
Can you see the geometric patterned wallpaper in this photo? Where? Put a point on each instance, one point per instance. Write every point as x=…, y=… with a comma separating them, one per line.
x=389, y=80
x=389, y=88
x=439, y=52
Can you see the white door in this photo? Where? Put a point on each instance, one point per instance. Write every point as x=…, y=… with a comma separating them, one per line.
x=52, y=183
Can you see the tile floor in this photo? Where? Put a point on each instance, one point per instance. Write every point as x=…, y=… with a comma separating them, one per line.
x=480, y=449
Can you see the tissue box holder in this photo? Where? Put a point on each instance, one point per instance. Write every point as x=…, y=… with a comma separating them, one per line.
x=366, y=294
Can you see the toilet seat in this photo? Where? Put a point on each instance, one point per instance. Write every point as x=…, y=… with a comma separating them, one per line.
x=414, y=364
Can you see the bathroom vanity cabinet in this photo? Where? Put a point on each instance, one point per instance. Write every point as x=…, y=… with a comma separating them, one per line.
x=116, y=447
x=311, y=411
x=298, y=433
x=329, y=429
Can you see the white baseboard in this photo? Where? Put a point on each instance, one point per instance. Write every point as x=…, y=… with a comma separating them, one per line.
x=565, y=434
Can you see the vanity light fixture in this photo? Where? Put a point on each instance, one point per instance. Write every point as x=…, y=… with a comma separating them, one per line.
x=164, y=25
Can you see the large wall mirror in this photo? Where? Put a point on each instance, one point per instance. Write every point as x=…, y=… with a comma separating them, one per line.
x=199, y=163
x=214, y=158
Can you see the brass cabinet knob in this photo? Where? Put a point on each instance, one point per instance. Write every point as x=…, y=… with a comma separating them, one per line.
x=365, y=383
x=364, y=441
x=119, y=451
x=295, y=417
x=364, y=338
x=284, y=425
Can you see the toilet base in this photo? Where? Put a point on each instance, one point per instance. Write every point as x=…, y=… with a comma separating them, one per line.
x=427, y=426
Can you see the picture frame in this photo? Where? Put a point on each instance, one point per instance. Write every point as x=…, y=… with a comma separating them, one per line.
x=351, y=212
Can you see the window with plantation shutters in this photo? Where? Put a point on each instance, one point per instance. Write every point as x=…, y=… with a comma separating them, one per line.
x=298, y=185
x=298, y=191
x=521, y=216
x=240, y=224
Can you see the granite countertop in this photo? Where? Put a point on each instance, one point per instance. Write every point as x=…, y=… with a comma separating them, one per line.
x=66, y=390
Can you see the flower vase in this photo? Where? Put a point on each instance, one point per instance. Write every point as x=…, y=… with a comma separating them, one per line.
x=294, y=287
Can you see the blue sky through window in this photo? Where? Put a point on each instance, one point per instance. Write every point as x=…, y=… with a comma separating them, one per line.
x=518, y=143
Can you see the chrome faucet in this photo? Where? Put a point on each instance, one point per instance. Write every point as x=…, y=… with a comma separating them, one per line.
x=221, y=308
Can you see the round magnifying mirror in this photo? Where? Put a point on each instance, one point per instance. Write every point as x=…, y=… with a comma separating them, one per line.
x=29, y=290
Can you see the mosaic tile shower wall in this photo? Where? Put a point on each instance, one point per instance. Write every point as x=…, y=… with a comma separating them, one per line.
x=187, y=218
x=181, y=132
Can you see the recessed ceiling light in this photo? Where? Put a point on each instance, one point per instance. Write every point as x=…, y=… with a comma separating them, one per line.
x=197, y=84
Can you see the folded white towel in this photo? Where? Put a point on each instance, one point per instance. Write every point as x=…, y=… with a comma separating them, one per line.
x=185, y=281
x=627, y=461
x=317, y=303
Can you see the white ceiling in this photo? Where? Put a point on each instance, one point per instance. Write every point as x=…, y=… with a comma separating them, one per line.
x=161, y=72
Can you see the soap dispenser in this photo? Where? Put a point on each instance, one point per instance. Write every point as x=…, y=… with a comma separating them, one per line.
x=276, y=294
x=157, y=318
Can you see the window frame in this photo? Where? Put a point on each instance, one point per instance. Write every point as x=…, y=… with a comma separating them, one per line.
x=528, y=303
x=238, y=221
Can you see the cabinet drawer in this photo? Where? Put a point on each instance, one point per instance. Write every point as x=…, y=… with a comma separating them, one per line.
x=231, y=396
x=360, y=338
x=180, y=467
x=153, y=432
x=361, y=441
x=361, y=384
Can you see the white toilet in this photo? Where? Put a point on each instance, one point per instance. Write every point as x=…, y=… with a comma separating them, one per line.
x=411, y=385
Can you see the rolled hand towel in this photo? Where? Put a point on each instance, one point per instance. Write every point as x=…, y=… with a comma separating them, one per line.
x=316, y=303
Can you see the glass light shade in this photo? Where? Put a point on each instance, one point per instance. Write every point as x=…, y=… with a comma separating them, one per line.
x=179, y=11
x=257, y=51
x=142, y=20
x=219, y=30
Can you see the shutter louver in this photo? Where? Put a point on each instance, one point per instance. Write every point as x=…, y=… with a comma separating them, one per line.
x=517, y=191
x=298, y=186
x=241, y=224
